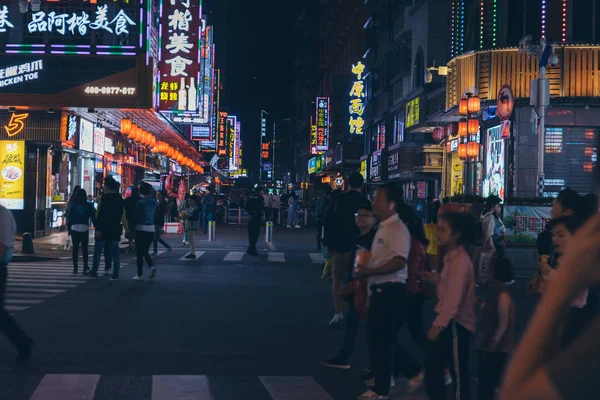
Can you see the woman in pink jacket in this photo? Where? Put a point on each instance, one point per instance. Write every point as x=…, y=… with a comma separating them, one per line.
x=453, y=328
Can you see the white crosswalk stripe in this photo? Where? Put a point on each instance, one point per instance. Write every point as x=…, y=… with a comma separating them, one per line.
x=316, y=258
x=276, y=257
x=171, y=387
x=234, y=256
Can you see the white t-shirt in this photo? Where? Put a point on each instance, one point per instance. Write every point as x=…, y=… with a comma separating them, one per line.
x=9, y=228
x=392, y=240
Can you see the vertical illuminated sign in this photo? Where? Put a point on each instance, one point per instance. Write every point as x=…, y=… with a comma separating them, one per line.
x=222, y=135
x=231, y=137
x=179, y=58
x=322, y=124
x=357, y=94
x=313, y=137
x=238, y=146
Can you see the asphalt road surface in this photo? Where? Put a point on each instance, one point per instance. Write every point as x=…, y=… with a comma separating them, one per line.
x=225, y=326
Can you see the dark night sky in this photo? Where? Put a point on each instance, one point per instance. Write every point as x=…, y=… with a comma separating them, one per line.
x=258, y=62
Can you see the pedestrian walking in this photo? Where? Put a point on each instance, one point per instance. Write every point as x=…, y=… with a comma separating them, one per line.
x=275, y=205
x=180, y=209
x=109, y=228
x=130, y=204
x=80, y=214
x=145, y=212
x=341, y=235
x=8, y=325
x=496, y=337
x=293, y=207
x=162, y=209
x=209, y=207
x=321, y=206
x=365, y=220
x=266, y=205
x=452, y=330
x=254, y=208
x=191, y=215
x=493, y=237
x=386, y=275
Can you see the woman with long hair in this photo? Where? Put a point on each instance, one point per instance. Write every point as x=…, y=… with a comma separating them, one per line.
x=79, y=215
x=144, y=225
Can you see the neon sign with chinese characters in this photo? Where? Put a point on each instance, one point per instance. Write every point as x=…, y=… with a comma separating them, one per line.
x=45, y=31
x=313, y=138
x=179, y=57
x=28, y=71
x=357, y=107
x=322, y=124
x=231, y=148
x=222, y=134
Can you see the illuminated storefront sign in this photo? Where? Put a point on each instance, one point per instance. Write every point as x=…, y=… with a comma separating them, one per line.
x=312, y=165
x=238, y=146
x=16, y=124
x=99, y=134
x=12, y=171
x=222, y=135
x=413, y=111
x=376, y=170
x=494, y=174
x=363, y=167
x=28, y=71
x=232, y=145
x=322, y=124
x=265, y=150
x=313, y=138
x=96, y=26
x=263, y=126
x=357, y=107
x=109, y=147
x=200, y=132
x=179, y=69
x=86, y=136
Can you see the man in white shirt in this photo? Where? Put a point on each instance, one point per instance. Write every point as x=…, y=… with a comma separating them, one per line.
x=386, y=275
x=14, y=333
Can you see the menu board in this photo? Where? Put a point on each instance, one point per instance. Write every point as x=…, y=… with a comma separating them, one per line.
x=12, y=174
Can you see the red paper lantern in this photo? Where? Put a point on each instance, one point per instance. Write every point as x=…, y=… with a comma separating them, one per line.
x=474, y=105
x=134, y=132
x=463, y=107
x=438, y=134
x=472, y=149
x=126, y=126
x=462, y=128
x=451, y=129
x=473, y=126
x=462, y=151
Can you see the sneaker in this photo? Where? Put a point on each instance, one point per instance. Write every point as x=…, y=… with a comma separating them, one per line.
x=186, y=243
x=297, y=227
x=152, y=273
x=415, y=382
x=326, y=277
x=25, y=352
x=114, y=278
x=91, y=274
x=371, y=395
x=138, y=278
x=447, y=378
x=335, y=362
x=509, y=282
x=371, y=382
x=75, y=271
x=289, y=226
x=107, y=272
x=190, y=257
x=336, y=321
x=154, y=253
x=252, y=252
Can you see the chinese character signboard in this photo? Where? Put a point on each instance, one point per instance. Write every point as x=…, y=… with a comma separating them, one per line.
x=413, y=111
x=232, y=145
x=313, y=138
x=322, y=124
x=12, y=171
x=222, y=135
x=238, y=146
x=357, y=94
x=376, y=170
x=179, y=67
x=102, y=27
x=524, y=223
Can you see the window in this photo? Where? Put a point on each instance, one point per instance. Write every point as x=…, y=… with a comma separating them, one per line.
x=399, y=128
x=419, y=70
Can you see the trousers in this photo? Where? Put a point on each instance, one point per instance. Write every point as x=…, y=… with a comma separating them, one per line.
x=8, y=325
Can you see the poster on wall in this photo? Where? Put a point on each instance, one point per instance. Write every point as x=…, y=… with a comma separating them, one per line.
x=494, y=174
x=12, y=175
x=99, y=134
x=456, y=175
x=524, y=223
x=86, y=136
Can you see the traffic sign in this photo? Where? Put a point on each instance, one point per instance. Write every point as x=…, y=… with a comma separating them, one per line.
x=505, y=102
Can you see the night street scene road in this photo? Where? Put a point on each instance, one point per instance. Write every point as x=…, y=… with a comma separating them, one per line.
x=299, y=200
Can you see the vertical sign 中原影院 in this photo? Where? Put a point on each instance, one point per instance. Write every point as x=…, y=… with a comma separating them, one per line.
x=322, y=124
x=12, y=174
x=179, y=69
x=357, y=94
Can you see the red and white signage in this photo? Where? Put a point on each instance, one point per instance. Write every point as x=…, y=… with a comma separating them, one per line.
x=505, y=102
x=179, y=58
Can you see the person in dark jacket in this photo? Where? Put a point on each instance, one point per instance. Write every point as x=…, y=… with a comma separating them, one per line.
x=129, y=205
x=109, y=228
x=209, y=206
x=321, y=207
x=343, y=233
x=254, y=207
x=162, y=209
x=145, y=211
x=79, y=215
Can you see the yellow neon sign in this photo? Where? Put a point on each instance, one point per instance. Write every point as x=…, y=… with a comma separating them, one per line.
x=357, y=93
x=16, y=124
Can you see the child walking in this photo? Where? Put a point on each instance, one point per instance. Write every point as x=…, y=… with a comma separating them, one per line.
x=496, y=334
x=453, y=328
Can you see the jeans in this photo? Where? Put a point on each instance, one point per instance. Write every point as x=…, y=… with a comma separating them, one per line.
x=253, y=233
x=185, y=233
x=414, y=320
x=491, y=369
x=157, y=239
x=385, y=318
x=207, y=216
x=292, y=216
x=83, y=239
x=192, y=240
x=441, y=355
x=143, y=240
x=111, y=253
x=8, y=325
x=351, y=324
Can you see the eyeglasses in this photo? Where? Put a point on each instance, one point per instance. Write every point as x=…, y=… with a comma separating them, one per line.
x=363, y=215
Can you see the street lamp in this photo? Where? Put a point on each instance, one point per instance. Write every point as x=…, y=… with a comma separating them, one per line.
x=468, y=128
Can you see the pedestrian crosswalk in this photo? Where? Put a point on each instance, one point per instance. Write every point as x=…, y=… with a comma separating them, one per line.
x=171, y=387
x=29, y=284
x=240, y=256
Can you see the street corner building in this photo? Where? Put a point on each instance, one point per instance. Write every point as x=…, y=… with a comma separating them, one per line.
x=91, y=89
